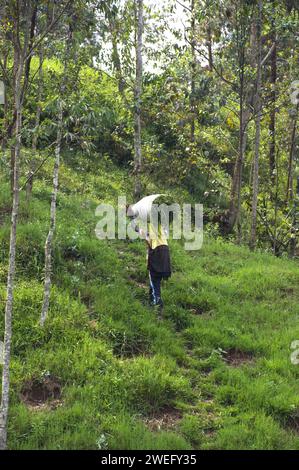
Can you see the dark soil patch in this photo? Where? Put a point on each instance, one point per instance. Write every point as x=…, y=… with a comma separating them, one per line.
x=138, y=280
x=141, y=285
x=292, y=422
x=71, y=253
x=210, y=433
x=287, y=291
x=236, y=357
x=165, y=419
x=196, y=310
x=36, y=392
x=87, y=299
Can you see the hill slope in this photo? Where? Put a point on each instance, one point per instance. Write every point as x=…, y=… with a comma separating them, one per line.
x=105, y=373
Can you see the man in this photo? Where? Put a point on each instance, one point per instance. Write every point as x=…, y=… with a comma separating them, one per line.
x=158, y=257
x=158, y=263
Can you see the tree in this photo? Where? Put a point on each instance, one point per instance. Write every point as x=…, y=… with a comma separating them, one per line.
x=257, y=112
x=273, y=79
x=243, y=25
x=29, y=184
x=21, y=48
x=290, y=181
x=52, y=227
x=137, y=99
x=20, y=36
x=193, y=70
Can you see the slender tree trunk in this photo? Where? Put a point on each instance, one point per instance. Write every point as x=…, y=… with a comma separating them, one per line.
x=19, y=64
x=290, y=190
x=210, y=47
x=29, y=39
x=138, y=93
x=20, y=47
x=29, y=185
x=295, y=228
x=12, y=130
x=272, y=125
x=5, y=117
x=244, y=119
x=52, y=227
x=28, y=61
x=274, y=245
x=193, y=73
x=291, y=197
x=257, y=109
x=245, y=100
x=235, y=195
x=50, y=236
x=116, y=57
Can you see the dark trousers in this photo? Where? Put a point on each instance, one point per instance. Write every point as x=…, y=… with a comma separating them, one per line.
x=155, y=288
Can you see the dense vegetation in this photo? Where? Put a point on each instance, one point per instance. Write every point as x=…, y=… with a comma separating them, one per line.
x=109, y=98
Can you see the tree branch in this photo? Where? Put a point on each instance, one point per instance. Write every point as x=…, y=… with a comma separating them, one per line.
x=228, y=82
x=268, y=54
x=48, y=29
x=37, y=169
x=184, y=6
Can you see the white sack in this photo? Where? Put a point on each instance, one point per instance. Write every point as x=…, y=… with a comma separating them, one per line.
x=143, y=207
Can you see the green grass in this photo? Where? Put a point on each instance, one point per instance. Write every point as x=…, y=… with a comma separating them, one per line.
x=118, y=366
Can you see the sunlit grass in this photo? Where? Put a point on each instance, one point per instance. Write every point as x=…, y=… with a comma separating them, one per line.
x=117, y=364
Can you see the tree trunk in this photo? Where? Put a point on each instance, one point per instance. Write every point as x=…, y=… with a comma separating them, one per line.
x=5, y=118
x=291, y=197
x=294, y=230
x=12, y=129
x=18, y=59
x=52, y=227
x=193, y=73
x=290, y=190
x=138, y=93
x=30, y=23
x=20, y=47
x=28, y=61
x=245, y=100
x=210, y=49
x=29, y=185
x=276, y=203
x=257, y=112
x=272, y=125
x=235, y=195
x=50, y=236
x=116, y=57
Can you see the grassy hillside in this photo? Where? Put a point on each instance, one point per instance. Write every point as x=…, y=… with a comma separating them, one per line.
x=105, y=373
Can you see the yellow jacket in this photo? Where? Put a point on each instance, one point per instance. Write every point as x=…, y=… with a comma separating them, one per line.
x=156, y=238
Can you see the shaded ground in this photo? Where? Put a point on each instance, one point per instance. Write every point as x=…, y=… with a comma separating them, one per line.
x=235, y=357
x=36, y=392
x=165, y=419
